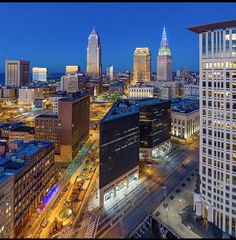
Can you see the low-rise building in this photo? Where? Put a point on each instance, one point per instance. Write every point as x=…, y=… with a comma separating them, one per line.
x=141, y=91
x=21, y=133
x=191, y=90
x=185, y=118
x=28, y=95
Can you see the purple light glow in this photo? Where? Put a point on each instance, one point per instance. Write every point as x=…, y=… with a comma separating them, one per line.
x=50, y=195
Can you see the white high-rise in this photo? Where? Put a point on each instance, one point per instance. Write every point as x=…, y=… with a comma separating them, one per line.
x=40, y=74
x=94, y=59
x=216, y=200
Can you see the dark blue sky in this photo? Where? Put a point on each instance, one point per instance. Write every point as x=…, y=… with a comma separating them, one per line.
x=55, y=34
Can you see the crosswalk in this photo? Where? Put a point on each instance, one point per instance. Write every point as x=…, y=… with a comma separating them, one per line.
x=92, y=227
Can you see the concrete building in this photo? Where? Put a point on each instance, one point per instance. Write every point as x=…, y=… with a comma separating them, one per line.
x=70, y=83
x=191, y=90
x=25, y=133
x=164, y=60
x=8, y=93
x=73, y=113
x=54, y=100
x=141, y=91
x=28, y=95
x=94, y=55
x=17, y=73
x=141, y=65
x=47, y=127
x=6, y=205
x=217, y=193
x=185, y=119
x=33, y=167
x=40, y=74
x=119, y=149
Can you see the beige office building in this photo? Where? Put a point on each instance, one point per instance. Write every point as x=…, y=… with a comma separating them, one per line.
x=17, y=73
x=216, y=199
x=141, y=65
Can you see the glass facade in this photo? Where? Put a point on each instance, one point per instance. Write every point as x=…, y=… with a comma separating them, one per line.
x=155, y=124
x=119, y=145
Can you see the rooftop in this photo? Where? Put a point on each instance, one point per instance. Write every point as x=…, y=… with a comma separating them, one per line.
x=212, y=26
x=184, y=105
x=23, y=129
x=73, y=97
x=147, y=101
x=119, y=109
x=50, y=115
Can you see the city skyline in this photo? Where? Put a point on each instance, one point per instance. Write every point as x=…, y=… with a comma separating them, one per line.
x=49, y=34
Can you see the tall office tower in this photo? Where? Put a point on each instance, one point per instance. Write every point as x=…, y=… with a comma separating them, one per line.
x=17, y=73
x=142, y=65
x=164, y=60
x=40, y=74
x=110, y=73
x=119, y=149
x=72, y=69
x=94, y=57
x=217, y=52
x=73, y=113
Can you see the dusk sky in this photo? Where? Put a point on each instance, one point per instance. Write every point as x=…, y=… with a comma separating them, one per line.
x=56, y=34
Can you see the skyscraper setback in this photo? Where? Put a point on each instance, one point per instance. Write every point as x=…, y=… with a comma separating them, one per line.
x=94, y=59
x=164, y=60
x=142, y=65
x=217, y=51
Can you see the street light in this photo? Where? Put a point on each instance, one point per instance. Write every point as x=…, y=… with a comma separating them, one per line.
x=180, y=200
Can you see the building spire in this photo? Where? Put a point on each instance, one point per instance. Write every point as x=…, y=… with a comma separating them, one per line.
x=164, y=41
x=94, y=32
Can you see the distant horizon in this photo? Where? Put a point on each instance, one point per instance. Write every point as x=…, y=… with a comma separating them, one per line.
x=47, y=39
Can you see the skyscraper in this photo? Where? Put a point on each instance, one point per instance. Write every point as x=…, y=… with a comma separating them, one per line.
x=164, y=60
x=94, y=59
x=216, y=199
x=40, y=74
x=142, y=65
x=17, y=73
x=110, y=72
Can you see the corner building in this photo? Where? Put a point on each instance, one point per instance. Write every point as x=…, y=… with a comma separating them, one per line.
x=216, y=201
x=119, y=149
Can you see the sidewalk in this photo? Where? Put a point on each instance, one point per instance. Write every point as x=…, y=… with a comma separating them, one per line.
x=179, y=215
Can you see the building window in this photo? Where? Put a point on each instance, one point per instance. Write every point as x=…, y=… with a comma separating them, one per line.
x=204, y=45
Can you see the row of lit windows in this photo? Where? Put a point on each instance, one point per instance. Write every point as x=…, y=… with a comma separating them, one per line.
x=219, y=65
x=220, y=74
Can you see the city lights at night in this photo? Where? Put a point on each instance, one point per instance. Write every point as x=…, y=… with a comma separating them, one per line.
x=117, y=120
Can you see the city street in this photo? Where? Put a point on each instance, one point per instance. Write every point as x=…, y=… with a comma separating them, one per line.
x=130, y=212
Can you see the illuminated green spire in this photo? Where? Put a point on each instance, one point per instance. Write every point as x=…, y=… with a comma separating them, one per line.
x=164, y=49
